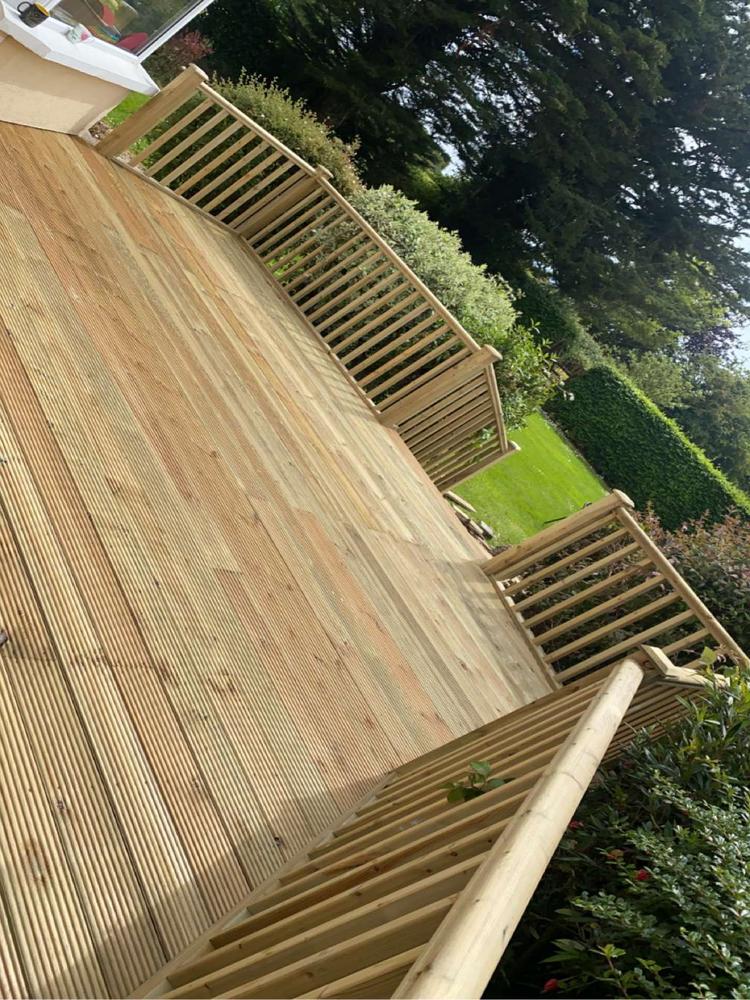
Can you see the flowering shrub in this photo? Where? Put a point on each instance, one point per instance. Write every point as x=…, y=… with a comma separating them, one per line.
x=715, y=561
x=648, y=894
x=181, y=50
x=678, y=928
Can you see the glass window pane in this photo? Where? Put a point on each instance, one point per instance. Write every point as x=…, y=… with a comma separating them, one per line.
x=128, y=24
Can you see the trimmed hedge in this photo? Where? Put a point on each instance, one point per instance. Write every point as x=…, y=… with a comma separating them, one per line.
x=636, y=448
x=554, y=320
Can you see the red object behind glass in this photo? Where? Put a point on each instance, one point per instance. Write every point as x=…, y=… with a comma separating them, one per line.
x=133, y=42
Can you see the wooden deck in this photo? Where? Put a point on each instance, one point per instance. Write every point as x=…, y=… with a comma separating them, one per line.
x=234, y=599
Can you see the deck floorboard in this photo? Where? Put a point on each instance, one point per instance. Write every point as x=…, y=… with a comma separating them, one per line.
x=234, y=599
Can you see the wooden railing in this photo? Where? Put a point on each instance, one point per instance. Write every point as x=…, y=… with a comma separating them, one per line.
x=409, y=895
x=593, y=587
x=413, y=361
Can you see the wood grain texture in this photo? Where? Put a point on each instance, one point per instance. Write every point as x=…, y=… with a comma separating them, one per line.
x=408, y=881
x=235, y=600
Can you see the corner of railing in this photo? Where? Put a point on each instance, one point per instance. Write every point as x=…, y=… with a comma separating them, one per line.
x=169, y=99
x=611, y=503
x=506, y=446
x=438, y=387
x=663, y=671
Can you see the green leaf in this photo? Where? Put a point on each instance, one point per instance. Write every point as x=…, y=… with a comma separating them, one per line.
x=482, y=767
x=611, y=951
x=708, y=656
x=494, y=783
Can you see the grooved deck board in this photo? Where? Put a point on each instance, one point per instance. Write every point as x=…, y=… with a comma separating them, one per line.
x=235, y=600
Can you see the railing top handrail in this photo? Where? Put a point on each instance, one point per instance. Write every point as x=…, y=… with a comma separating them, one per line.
x=589, y=515
x=461, y=956
x=193, y=84
x=193, y=80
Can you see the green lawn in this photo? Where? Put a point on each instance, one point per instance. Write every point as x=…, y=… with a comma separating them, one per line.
x=125, y=109
x=544, y=481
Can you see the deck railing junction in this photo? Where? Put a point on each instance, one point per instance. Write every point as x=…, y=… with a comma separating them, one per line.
x=419, y=369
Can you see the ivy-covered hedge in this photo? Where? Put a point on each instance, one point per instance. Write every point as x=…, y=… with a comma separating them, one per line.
x=636, y=448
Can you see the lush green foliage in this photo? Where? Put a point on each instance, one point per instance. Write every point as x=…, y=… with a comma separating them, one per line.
x=554, y=319
x=295, y=125
x=476, y=783
x=481, y=302
x=716, y=414
x=597, y=143
x=546, y=480
x=127, y=106
x=662, y=377
x=707, y=392
x=355, y=63
x=715, y=560
x=636, y=448
x=541, y=305
x=649, y=892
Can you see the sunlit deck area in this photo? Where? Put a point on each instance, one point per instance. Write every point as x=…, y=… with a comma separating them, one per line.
x=234, y=599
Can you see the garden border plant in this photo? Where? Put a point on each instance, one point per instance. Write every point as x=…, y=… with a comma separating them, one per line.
x=648, y=894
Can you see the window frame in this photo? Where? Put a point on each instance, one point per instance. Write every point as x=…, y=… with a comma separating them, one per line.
x=163, y=36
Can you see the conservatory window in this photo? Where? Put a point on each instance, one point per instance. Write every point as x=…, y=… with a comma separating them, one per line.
x=137, y=26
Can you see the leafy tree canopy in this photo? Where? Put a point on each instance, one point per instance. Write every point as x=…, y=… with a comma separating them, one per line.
x=716, y=415
x=606, y=145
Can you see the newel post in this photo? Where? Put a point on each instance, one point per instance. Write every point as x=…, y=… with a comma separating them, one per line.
x=439, y=387
x=172, y=97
